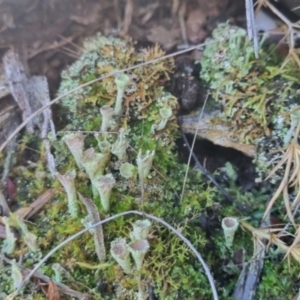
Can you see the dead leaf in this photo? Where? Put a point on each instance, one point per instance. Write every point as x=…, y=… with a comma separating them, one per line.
x=127, y=16
x=37, y=205
x=163, y=36
x=53, y=291
x=23, y=212
x=194, y=26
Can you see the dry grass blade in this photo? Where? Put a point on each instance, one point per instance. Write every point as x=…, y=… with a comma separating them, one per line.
x=292, y=56
x=273, y=238
x=290, y=32
x=264, y=233
x=294, y=249
x=287, y=159
x=291, y=160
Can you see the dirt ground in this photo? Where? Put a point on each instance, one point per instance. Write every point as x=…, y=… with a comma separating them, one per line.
x=49, y=34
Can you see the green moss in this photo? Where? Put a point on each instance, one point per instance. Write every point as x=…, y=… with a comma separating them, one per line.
x=169, y=267
x=273, y=286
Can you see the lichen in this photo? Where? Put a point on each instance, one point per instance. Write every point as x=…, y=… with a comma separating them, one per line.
x=149, y=120
x=107, y=162
x=252, y=92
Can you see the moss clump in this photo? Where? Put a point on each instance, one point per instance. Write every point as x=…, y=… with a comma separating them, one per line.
x=147, y=125
x=254, y=93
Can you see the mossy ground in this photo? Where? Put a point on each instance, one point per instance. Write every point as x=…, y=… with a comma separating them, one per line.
x=169, y=267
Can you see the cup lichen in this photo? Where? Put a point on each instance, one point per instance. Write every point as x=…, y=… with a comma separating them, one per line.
x=104, y=186
x=9, y=243
x=230, y=226
x=138, y=250
x=107, y=113
x=145, y=97
x=68, y=182
x=120, y=252
x=122, y=82
x=144, y=164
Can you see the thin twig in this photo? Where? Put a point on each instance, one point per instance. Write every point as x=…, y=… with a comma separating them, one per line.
x=192, y=148
x=251, y=27
x=210, y=177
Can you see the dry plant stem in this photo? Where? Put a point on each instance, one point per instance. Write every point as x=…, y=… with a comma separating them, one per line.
x=251, y=27
x=192, y=149
x=114, y=73
x=294, y=248
x=176, y=232
x=38, y=204
x=273, y=238
x=287, y=225
x=127, y=16
x=249, y=278
x=181, y=18
x=291, y=157
x=284, y=19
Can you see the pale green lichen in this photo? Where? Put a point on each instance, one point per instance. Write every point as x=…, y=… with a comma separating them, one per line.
x=104, y=186
x=127, y=170
x=242, y=84
x=75, y=143
x=107, y=113
x=122, y=82
x=29, y=238
x=94, y=163
x=57, y=268
x=143, y=100
x=230, y=226
x=68, y=182
x=120, y=252
x=9, y=244
x=103, y=144
x=138, y=250
x=166, y=114
x=141, y=229
x=119, y=148
x=16, y=274
x=144, y=163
